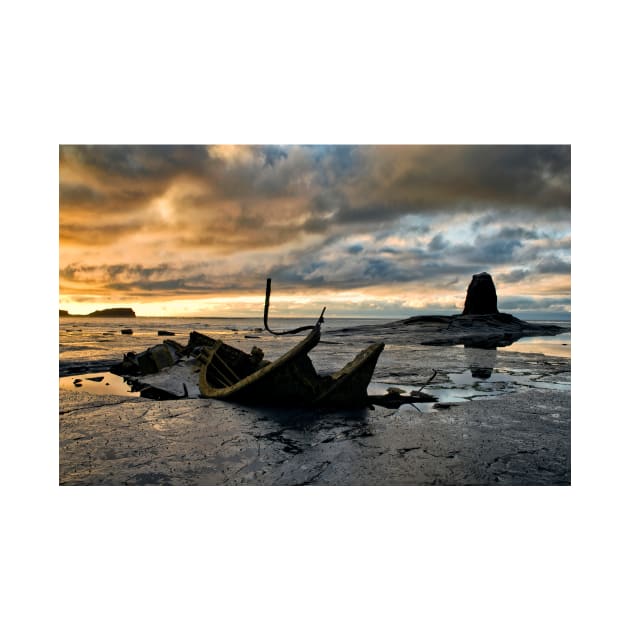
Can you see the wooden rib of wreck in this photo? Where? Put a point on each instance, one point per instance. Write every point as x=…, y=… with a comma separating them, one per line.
x=229, y=374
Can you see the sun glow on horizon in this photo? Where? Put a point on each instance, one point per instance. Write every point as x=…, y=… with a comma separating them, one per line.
x=378, y=301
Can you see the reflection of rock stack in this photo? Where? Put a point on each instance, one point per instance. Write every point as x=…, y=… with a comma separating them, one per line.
x=480, y=372
x=481, y=297
x=482, y=364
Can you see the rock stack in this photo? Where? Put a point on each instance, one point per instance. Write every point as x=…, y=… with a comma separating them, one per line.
x=481, y=297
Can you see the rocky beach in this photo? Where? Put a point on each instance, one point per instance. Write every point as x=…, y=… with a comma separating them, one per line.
x=501, y=418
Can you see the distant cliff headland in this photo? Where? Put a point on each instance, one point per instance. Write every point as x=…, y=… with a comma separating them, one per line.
x=107, y=312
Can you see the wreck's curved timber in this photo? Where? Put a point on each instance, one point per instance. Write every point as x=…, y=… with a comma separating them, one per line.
x=348, y=386
x=290, y=380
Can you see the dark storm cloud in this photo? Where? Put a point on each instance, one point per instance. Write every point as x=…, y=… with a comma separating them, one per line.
x=486, y=251
x=335, y=163
x=515, y=275
x=327, y=187
x=217, y=201
x=438, y=243
x=83, y=196
x=553, y=264
x=272, y=154
x=366, y=268
x=546, y=254
x=124, y=177
x=315, y=225
x=439, y=263
x=495, y=252
x=136, y=162
x=371, y=214
x=522, y=175
x=513, y=244
x=519, y=233
x=99, y=184
x=402, y=180
x=339, y=217
x=80, y=195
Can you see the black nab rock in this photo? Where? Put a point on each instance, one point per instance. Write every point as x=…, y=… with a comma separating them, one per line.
x=481, y=297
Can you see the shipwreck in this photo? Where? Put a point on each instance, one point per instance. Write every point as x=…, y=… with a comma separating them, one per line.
x=225, y=372
x=229, y=374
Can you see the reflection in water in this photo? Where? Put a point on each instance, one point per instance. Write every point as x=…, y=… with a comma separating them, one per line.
x=491, y=343
x=558, y=345
x=481, y=372
x=109, y=383
x=482, y=364
x=465, y=386
x=98, y=383
x=482, y=380
x=552, y=345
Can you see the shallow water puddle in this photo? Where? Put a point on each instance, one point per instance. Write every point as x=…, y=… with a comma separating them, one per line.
x=98, y=383
x=475, y=384
x=558, y=345
x=463, y=386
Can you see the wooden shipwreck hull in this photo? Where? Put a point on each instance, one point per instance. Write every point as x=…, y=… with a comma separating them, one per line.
x=228, y=374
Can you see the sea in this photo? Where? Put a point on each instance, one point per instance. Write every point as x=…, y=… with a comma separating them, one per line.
x=89, y=346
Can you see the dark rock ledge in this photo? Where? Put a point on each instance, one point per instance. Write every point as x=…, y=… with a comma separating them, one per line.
x=477, y=331
x=480, y=325
x=107, y=312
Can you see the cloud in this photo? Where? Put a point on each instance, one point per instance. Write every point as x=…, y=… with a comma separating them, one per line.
x=192, y=220
x=518, y=233
x=516, y=303
x=320, y=190
x=438, y=243
x=515, y=275
x=553, y=264
x=495, y=251
x=166, y=280
x=411, y=179
x=149, y=163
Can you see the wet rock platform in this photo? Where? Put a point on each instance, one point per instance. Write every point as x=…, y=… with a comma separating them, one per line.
x=481, y=331
x=521, y=439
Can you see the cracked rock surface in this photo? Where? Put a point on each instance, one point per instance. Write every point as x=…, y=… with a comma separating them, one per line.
x=520, y=439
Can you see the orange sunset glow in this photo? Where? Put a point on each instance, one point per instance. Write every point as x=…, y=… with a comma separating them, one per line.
x=368, y=230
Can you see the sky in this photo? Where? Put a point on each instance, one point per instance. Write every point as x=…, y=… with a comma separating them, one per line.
x=365, y=230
